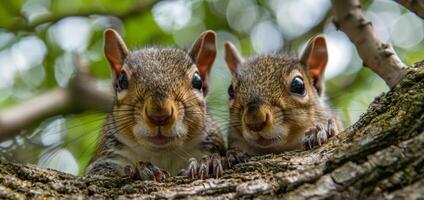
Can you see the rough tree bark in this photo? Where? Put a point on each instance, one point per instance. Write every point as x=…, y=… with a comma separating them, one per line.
x=379, y=157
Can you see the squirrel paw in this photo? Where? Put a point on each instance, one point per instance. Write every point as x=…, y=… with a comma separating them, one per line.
x=191, y=170
x=235, y=156
x=319, y=135
x=145, y=171
x=207, y=167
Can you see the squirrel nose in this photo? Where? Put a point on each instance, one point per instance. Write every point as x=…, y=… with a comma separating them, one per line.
x=256, y=126
x=159, y=113
x=256, y=118
x=160, y=120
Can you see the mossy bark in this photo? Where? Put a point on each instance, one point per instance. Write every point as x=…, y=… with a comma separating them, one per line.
x=380, y=157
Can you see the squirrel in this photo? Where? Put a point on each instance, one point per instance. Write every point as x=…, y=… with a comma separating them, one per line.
x=159, y=123
x=277, y=101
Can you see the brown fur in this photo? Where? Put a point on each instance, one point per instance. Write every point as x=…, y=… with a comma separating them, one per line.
x=159, y=83
x=263, y=81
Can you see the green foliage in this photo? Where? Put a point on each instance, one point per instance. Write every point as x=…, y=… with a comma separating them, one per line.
x=83, y=135
x=349, y=91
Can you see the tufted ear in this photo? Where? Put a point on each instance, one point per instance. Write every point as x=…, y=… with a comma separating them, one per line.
x=115, y=51
x=315, y=59
x=232, y=57
x=203, y=52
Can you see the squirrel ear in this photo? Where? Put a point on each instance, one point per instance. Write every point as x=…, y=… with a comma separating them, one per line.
x=232, y=56
x=115, y=51
x=315, y=58
x=203, y=52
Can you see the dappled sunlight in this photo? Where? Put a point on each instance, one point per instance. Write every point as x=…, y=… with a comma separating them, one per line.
x=51, y=131
x=60, y=159
x=38, y=56
x=71, y=34
x=266, y=38
x=172, y=15
x=64, y=68
x=340, y=52
x=297, y=17
x=242, y=14
x=407, y=31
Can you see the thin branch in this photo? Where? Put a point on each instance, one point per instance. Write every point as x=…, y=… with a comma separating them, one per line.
x=13, y=119
x=376, y=55
x=415, y=6
x=81, y=95
x=136, y=10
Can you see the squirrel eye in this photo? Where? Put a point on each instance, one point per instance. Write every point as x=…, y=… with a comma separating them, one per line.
x=297, y=86
x=196, y=81
x=231, y=92
x=122, y=81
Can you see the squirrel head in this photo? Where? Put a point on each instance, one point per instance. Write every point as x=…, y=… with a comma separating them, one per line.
x=274, y=98
x=160, y=93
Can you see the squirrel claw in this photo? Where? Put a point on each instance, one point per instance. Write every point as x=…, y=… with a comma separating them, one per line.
x=318, y=135
x=208, y=166
x=235, y=156
x=145, y=171
x=332, y=130
x=321, y=135
x=204, y=167
x=158, y=174
x=217, y=168
x=131, y=172
x=191, y=170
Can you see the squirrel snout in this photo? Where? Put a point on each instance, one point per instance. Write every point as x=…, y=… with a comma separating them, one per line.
x=256, y=118
x=160, y=120
x=159, y=113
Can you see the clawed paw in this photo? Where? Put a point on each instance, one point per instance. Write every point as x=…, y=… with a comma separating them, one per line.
x=319, y=134
x=145, y=171
x=235, y=156
x=206, y=167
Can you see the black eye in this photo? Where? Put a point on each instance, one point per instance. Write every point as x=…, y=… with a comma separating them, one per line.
x=122, y=81
x=297, y=86
x=231, y=92
x=196, y=81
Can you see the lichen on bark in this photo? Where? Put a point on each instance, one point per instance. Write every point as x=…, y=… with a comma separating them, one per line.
x=379, y=157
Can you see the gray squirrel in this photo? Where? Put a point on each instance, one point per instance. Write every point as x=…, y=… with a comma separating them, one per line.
x=159, y=123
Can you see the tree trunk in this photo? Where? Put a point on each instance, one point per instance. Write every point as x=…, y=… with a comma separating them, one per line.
x=380, y=156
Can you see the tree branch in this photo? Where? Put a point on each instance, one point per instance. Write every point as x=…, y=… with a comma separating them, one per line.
x=415, y=6
x=379, y=157
x=379, y=57
x=136, y=10
x=81, y=94
x=12, y=120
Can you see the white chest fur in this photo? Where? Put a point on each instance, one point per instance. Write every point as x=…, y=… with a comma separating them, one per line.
x=171, y=160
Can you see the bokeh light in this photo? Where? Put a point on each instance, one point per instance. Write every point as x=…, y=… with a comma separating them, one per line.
x=172, y=15
x=266, y=38
x=37, y=58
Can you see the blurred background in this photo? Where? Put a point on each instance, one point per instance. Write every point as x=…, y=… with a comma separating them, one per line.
x=44, y=44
